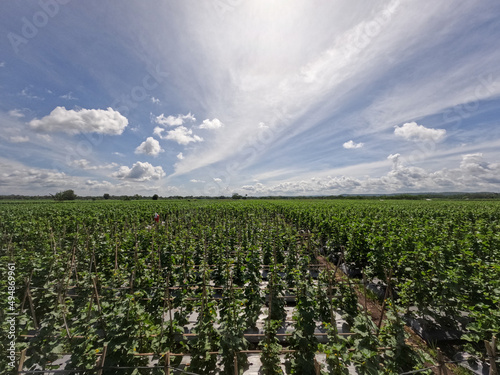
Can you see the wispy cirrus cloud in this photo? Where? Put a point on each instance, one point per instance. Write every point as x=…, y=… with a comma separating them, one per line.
x=299, y=95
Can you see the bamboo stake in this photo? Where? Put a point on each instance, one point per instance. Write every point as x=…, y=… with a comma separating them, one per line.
x=386, y=295
x=365, y=297
x=101, y=362
x=98, y=302
x=116, y=256
x=28, y=282
x=441, y=363
x=21, y=360
x=317, y=367
x=167, y=363
x=490, y=349
x=32, y=308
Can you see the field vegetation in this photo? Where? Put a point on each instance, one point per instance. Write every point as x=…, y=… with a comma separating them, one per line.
x=214, y=281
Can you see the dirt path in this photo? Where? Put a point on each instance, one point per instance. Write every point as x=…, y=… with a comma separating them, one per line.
x=374, y=309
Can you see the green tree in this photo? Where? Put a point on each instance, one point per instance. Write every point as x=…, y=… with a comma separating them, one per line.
x=106, y=196
x=67, y=195
x=155, y=197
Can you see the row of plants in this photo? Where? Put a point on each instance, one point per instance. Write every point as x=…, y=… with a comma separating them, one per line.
x=442, y=257
x=106, y=274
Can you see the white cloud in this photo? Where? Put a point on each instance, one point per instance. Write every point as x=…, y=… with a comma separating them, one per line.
x=94, y=184
x=45, y=137
x=81, y=121
x=85, y=165
x=140, y=172
x=350, y=144
x=196, y=181
x=19, y=139
x=216, y=179
x=211, y=124
x=474, y=164
x=181, y=135
x=174, y=120
x=2, y=64
x=413, y=132
x=68, y=96
x=155, y=100
x=26, y=92
x=80, y=163
x=473, y=174
x=395, y=160
x=19, y=177
x=158, y=131
x=263, y=126
x=180, y=156
x=16, y=113
x=149, y=147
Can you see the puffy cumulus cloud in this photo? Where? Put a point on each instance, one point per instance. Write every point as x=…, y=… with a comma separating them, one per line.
x=85, y=164
x=180, y=156
x=413, y=132
x=351, y=144
x=174, y=120
x=83, y=120
x=216, y=179
x=19, y=139
x=139, y=172
x=194, y=181
x=155, y=100
x=474, y=163
x=149, y=147
x=395, y=160
x=211, y=124
x=180, y=134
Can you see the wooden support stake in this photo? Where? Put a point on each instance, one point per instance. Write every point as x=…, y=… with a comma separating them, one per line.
x=167, y=363
x=28, y=282
x=100, y=365
x=32, y=308
x=116, y=256
x=490, y=350
x=317, y=367
x=441, y=363
x=96, y=293
x=386, y=295
x=235, y=364
x=21, y=360
x=365, y=297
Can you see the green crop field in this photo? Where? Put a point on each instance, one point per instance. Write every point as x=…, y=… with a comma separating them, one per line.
x=213, y=284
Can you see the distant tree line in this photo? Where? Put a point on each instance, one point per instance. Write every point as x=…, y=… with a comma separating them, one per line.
x=70, y=195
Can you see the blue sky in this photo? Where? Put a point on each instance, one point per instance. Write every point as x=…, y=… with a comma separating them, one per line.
x=260, y=97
